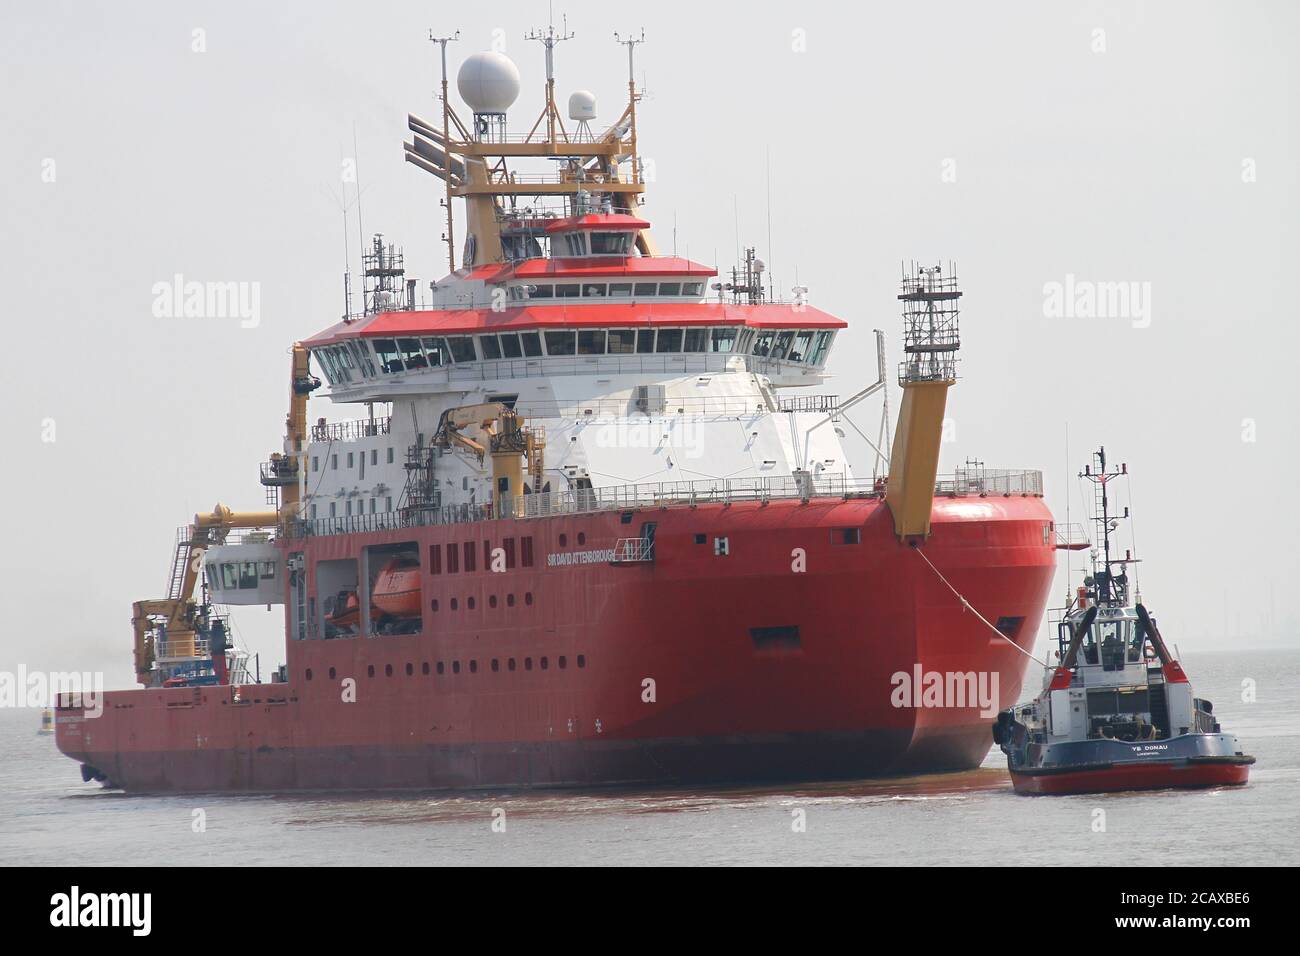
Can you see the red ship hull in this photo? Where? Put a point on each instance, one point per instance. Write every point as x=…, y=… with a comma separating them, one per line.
x=1143, y=776
x=570, y=670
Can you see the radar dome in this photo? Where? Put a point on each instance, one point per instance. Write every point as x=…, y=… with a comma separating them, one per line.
x=488, y=82
x=582, y=105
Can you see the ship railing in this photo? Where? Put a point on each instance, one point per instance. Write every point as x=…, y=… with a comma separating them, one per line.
x=181, y=649
x=634, y=551
x=987, y=482
x=351, y=429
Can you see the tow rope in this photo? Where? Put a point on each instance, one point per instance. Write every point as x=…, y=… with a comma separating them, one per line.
x=966, y=605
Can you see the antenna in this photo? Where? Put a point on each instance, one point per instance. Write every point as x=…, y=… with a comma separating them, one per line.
x=450, y=237
x=548, y=40
x=630, y=41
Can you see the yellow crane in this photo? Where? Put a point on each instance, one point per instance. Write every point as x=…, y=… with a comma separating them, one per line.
x=509, y=442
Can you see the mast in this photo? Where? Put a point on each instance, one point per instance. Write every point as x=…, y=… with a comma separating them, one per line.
x=446, y=118
x=1111, y=587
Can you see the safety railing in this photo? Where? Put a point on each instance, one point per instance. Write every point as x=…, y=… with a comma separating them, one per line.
x=351, y=429
x=986, y=482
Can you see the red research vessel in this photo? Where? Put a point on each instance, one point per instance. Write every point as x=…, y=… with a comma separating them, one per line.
x=602, y=535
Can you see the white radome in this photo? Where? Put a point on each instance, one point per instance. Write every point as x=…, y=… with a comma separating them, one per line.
x=488, y=82
x=582, y=105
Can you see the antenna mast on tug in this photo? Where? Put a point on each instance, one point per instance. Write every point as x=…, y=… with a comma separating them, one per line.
x=449, y=237
x=1111, y=588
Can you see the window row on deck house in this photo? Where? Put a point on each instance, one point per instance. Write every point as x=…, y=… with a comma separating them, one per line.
x=354, y=360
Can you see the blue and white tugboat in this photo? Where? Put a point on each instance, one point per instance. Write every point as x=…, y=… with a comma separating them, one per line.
x=1117, y=712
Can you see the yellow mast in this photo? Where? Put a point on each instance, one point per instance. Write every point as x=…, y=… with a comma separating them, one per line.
x=930, y=345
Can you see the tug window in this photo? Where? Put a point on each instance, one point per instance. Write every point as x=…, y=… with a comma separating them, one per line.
x=723, y=340
x=620, y=289
x=763, y=343
x=229, y=577
x=595, y=290
x=591, y=342
x=611, y=243
x=489, y=346
x=644, y=288
x=560, y=343
x=542, y=292
x=248, y=574
x=692, y=288
x=532, y=343
x=670, y=340
x=670, y=288
x=645, y=341
x=622, y=341
x=567, y=290
x=696, y=340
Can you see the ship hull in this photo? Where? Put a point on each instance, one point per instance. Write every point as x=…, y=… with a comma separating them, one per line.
x=778, y=657
x=1138, y=776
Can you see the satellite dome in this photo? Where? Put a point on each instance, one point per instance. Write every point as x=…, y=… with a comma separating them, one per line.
x=488, y=82
x=582, y=105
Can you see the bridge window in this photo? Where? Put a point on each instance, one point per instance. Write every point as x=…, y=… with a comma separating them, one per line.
x=510, y=345
x=567, y=290
x=622, y=341
x=823, y=343
x=783, y=340
x=763, y=343
x=696, y=340
x=692, y=288
x=620, y=289
x=386, y=352
x=363, y=358
x=546, y=291
x=670, y=340
x=412, y=354
x=723, y=340
x=799, y=351
x=591, y=342
x=489, y=346
x=611, y=243
x=645, y=341
x=644, y=288
x=532, y=343
x=462, y=348
x=561, y=343
x=593, y=290
x=670, y=288
x=435, y=351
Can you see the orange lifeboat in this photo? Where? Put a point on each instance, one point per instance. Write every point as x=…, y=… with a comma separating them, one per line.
x=397, y=590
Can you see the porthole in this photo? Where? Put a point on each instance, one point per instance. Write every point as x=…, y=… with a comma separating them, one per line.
x=309, y=673
x=510, y=665
x=388, y=670
x=473, y=667
x=564, y=540
x=453, y=604
x=528, y=663
x=410, y=669
x=441, y=667
x=510, y=600
x=492, y=601
x=424, y=668
x=434, y=604
x=582, y=537
x=528, y=598
x=370, y=670
x=564, y=662
x=332, y=673
x=582, y=660
x=545, y=663
x=455, y=667
x=469, y=603
x=496, y=665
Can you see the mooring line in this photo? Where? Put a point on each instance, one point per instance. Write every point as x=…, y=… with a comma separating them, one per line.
x=970, y=607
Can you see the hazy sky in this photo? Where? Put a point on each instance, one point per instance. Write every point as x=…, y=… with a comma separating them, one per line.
x=1116, y=143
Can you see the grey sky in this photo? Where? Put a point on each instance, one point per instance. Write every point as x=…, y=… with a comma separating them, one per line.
x=1115, y=166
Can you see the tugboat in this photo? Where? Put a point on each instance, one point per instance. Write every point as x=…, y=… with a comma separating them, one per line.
x=1117, y=711
x=47, y=723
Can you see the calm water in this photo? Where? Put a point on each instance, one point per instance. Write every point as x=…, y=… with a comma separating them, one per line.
x=47, y=815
